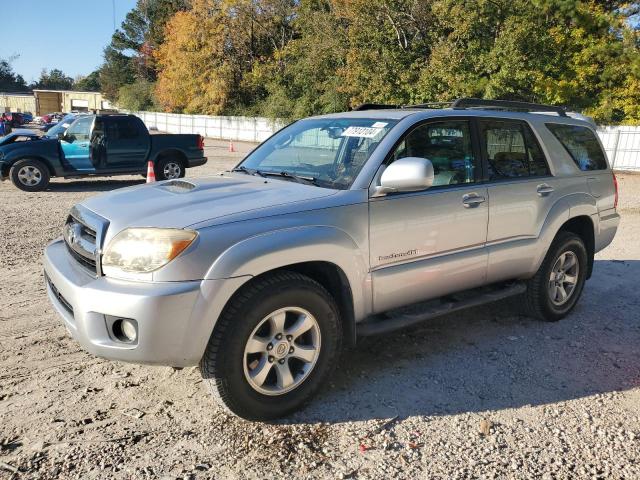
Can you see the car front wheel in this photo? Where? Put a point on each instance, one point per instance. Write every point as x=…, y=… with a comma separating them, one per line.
x=30, y=175
x=273, y=346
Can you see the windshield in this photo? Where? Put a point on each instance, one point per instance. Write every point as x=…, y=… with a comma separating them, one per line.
x=60, y=127
x=329, y=151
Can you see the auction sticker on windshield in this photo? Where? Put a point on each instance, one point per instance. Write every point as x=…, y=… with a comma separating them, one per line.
x=363, y=132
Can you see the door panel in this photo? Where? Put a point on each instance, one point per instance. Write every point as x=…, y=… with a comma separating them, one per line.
x=75, y=144
x=430, y=243
x=126, y=146
x=426, y=245
x=521, y=194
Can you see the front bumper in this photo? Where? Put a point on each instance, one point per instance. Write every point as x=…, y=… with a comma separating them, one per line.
x=174, y=319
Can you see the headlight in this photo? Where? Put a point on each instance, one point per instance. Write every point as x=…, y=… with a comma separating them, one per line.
x=143, y=250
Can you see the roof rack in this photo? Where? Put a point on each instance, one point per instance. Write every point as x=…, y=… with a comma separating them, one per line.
x=464, y=103
x=375, y=106
x=469, y=103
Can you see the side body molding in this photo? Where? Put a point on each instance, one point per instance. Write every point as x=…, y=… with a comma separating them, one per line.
x=277, y=249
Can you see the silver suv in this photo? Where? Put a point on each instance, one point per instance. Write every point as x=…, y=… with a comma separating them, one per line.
x=337, y=226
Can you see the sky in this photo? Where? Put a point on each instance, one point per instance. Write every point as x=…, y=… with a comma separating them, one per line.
x=65, y=34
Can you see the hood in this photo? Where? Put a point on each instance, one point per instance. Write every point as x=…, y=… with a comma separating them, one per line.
x=26, y=145
x=186, y=202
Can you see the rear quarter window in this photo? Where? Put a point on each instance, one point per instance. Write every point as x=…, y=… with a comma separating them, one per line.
x=581, y=144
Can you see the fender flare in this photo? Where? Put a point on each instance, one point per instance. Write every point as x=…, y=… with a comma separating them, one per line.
x=278, y=249
x=568, y=207
x=52, y=170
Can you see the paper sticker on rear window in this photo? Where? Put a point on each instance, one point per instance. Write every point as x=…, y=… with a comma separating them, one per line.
x=363, y=132
x=379, y=125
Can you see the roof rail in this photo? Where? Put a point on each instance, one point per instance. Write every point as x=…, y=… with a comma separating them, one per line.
x=375, y=106
x=463, y=103
x=429, y=105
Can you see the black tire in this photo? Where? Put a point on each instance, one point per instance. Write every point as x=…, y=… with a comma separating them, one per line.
x=168, y=161
x=223, y=364
x=37, y=168
x=537, y=299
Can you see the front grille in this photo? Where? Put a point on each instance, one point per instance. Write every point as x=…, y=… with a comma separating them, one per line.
x=83, y=233
x=63, y=301
x=89, y=263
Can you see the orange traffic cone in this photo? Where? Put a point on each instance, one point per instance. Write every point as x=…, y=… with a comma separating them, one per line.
x=151, y=174
x=231, y=147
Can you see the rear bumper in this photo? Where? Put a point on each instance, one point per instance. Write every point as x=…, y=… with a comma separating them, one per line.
x=196, y=162
x=174, y=319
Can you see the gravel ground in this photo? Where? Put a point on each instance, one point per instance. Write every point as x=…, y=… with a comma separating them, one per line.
x=482, y=394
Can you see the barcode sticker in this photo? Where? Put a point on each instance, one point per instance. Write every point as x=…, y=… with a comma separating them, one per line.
x=363, y=132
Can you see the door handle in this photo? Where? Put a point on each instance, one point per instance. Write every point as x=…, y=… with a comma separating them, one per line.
x=472, y=200
x=544, y=189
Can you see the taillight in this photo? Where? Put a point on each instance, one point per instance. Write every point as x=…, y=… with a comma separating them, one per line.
x=200, y=142
x=615, y=186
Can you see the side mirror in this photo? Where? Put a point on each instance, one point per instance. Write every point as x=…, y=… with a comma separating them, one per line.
x=410, y=174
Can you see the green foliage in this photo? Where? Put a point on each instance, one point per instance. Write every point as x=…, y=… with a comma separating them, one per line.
x=9, y=80
x=293, y=58
x=137, y=96
x=53, y=80
x=115, y=72
x=90, y=83
x=130, y=55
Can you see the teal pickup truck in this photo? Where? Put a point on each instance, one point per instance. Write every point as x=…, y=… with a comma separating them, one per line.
x=99, y=145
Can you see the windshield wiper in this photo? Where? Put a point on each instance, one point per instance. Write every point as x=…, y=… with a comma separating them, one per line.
x=294, y=177
x=244, y=169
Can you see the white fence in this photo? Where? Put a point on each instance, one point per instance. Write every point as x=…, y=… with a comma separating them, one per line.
x=246, y=129
x=622, y=144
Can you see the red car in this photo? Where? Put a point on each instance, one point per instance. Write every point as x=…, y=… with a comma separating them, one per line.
x=14, y=119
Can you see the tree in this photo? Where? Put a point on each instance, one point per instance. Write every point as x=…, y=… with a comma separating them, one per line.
x=130, y=55
x=137, y=96
x=89, y=83
x=115, y=72
x=195, y=75
x=54, y=79
x=9, y=80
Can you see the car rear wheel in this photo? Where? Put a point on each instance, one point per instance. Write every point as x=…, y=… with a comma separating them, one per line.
x=556, y=288
x=273, y=346
x=30, y=175
x=169, y=168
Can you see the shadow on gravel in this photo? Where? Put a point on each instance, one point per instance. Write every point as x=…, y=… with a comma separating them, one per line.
x=493, y=358
x=92, y=185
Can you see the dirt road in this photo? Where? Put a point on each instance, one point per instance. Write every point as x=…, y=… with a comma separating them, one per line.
x=482, y=394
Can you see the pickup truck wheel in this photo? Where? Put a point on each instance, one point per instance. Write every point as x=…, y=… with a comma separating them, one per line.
x=273, y=346
x=30, y=175
x=555, y=289
x=169, y=169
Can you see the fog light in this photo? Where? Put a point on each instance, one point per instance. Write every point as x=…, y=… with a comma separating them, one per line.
x=129, y=330
x=125, y=330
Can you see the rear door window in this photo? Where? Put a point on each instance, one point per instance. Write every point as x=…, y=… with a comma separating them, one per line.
x=512, y=150
x=581, y=144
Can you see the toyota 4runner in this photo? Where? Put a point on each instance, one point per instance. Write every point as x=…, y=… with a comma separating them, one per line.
x=330, y=230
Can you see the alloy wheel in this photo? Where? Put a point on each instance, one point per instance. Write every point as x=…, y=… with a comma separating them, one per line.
x=29, y=176
x=282, y=351
x=172, y=170
x=563, y=278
